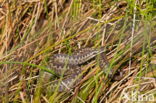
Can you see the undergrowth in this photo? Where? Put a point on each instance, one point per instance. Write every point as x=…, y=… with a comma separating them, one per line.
x=33, y=30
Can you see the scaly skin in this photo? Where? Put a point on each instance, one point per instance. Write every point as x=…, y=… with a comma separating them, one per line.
x=78, y=58
x=70, y=65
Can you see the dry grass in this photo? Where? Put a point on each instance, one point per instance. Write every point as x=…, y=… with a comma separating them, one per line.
x=32, y=30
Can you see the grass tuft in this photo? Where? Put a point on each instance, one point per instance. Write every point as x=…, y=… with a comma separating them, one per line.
x=33, y=30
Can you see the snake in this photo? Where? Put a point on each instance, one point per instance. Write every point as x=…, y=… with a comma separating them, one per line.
x=69, y=66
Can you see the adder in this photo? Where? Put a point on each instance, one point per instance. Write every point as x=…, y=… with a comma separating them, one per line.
x=69, y=66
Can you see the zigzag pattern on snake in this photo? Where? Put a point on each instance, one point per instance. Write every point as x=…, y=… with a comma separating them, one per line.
x=70, y=65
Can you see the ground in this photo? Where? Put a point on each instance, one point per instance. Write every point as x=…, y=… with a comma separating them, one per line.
x=33, y=30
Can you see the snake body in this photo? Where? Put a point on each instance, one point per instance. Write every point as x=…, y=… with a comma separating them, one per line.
x=70, y=65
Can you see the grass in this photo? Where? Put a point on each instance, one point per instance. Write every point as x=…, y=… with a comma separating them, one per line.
x=31, y=31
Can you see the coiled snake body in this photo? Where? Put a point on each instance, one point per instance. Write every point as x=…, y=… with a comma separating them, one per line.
x=70, y=65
